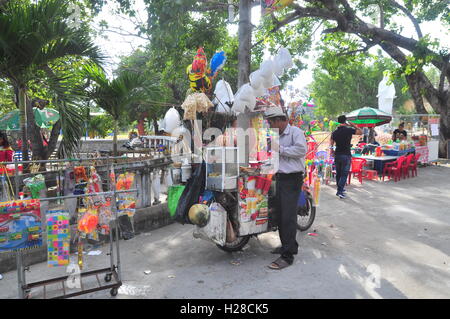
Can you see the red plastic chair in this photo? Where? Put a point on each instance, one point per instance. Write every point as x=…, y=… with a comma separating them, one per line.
x=396, y=170
x=357, y=169
x=413, y=165
x=406, y=164
x=387, y=168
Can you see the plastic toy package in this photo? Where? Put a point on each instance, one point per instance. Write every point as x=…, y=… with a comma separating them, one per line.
x=58, y=238
x=20, y=225
x=126, y=203
x=35, y=185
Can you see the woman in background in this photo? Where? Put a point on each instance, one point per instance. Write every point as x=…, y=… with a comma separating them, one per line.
x=6, y=152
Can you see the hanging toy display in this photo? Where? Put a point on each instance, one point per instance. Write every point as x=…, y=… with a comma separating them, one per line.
x=35, y=185
x=125, y=201
x=197, y=73
x=217, y=63
x=88, y=221
x=58, y=238
x=95, y=186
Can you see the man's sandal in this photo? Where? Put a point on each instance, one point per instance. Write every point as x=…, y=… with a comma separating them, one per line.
x=279, y=264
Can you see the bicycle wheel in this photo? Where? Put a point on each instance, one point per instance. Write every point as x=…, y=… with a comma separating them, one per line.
x=236, y=245
x=306, y=214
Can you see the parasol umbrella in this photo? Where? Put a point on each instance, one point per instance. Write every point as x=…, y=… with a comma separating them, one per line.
x=44, y=119
x=368, y=117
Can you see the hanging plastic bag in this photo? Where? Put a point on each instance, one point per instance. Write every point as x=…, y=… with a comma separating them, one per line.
x=285, y=58
x=173, y=196
x=224, y=97
x=245, y=97
x=171, y=120
x=194, y=188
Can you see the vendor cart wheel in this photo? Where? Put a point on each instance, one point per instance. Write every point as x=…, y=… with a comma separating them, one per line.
x=306, y=215
x=236, y=245
x=108, y=277
x=114, y=292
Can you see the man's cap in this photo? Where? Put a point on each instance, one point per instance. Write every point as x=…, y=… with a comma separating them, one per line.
x=274, y=112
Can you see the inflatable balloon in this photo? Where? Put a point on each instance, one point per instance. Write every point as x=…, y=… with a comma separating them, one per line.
x=198, y=82
x=199, y=63
x=217, y=63
x=171, y=120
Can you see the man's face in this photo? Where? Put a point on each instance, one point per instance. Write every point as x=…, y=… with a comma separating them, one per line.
x=274, y=123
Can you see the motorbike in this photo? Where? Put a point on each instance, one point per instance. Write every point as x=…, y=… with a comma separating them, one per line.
x=306, y=213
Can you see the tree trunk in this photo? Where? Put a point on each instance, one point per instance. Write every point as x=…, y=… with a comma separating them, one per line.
x=140, y=126
x=23, y=121
x=415, y=93
x=444, y=129
x=155, y=125
x=116, y=125
x=37, y=142
x=245, y=41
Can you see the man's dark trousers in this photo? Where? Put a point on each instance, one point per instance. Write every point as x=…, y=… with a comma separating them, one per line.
x=343, y=163
x=288, y=187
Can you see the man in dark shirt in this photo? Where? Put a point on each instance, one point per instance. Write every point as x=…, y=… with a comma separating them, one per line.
x=342, y=137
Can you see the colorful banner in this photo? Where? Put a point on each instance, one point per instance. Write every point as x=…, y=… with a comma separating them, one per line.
x=20, y=225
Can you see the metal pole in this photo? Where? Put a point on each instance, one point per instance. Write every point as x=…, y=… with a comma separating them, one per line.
x=19, y=259
x=111, y=239
x=119, y=275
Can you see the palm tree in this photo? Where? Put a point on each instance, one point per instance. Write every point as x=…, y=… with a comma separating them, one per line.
x=32, y=36
x=114, y=96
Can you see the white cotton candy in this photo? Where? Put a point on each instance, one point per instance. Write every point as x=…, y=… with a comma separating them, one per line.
x=223, y=95
x=172, y=120
x=245, y=97
x=256, y=79
x=266, y=68
x=285, y=58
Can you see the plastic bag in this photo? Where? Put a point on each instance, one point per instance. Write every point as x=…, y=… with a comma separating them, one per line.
x=245, y=96
x=224, y=96
x=256, y=79
x=173, y=197
x=195, y=186
x=285, y=58
x=171, y=120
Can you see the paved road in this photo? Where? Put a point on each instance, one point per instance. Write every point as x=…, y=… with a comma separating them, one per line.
x=397, y=230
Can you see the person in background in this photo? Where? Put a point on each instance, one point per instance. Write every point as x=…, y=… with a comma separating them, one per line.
x=372, y=135
x=399, y=133
x=342, y=137
x=6, y=152
x=289, y=180
x=366, y=135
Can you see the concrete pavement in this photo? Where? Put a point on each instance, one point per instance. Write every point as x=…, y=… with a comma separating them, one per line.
x=386, y=240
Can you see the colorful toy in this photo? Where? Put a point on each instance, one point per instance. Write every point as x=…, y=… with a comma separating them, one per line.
x=88, y=222
x=20, y=225
x=217, y=63
x=58, y=238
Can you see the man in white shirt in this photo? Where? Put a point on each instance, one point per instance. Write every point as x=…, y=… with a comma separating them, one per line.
x=289, y=180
